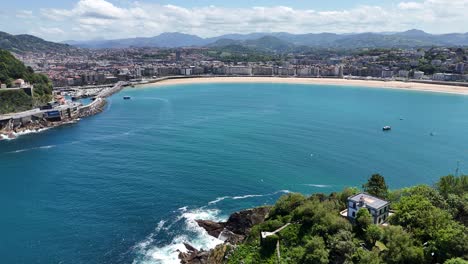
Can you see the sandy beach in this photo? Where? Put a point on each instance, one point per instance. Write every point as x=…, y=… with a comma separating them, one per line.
x=427, y=87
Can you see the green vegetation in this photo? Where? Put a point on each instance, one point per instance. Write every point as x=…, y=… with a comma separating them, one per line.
x=428, y=226
x=376, y=186
x=18, y=100
x=28, y=43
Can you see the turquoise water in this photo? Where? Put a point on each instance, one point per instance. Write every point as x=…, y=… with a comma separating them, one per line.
x=125, y=186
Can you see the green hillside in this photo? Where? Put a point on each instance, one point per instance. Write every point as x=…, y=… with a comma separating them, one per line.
x=17, y=100
x=28, y=43
x=429, y=225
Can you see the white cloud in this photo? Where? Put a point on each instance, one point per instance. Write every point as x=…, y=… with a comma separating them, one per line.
x=48, y=31
x=24, y=14
x=99, y=18
x=410, y=5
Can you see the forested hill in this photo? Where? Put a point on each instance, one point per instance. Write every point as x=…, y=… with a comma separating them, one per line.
x=17, y=100
x=29, y=43
x=428, y=225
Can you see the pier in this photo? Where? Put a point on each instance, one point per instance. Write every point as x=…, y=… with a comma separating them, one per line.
x=40, y=118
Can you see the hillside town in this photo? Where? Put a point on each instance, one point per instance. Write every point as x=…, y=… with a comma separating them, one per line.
x=109, y=66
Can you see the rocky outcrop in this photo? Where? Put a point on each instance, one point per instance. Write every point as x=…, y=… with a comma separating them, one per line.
x=213, y=228
x=232, y=232
x=217, y=255
x=241, y=222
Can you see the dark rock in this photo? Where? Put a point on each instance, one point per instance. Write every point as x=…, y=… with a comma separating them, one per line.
x=238, y=224
x=241, y=222
x=213, y=228
x=233, y=232
x=229, y=237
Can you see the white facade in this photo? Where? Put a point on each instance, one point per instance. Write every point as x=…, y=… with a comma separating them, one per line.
x=239, y=70
x=418, y=75
x=378, y=208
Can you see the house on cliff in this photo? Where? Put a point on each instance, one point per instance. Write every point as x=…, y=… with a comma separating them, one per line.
x=378, y=208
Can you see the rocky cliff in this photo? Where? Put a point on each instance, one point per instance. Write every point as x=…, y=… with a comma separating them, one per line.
x=232, y=232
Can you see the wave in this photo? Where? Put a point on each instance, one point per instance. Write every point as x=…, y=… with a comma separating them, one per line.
x=22, y=133
x=47, y=147
x=219, y=199
x=318, y=185
x=186, y=230
x=29, y=149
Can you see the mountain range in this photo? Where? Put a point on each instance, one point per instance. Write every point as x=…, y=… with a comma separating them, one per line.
x=272, y=42
x=282, y=40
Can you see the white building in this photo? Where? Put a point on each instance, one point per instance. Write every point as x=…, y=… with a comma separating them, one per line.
x=438, y=77
x=387, y=74
x=239, y=70
x=378, y=208
x=418, y=75
x=403, y=73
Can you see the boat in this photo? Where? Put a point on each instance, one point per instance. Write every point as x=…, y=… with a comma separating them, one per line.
x=126, y=97
x=387, y=128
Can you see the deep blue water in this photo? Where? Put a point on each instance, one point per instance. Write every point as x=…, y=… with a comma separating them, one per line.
x=125, y=186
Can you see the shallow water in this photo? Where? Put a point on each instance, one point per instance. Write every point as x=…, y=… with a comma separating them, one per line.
x=126, y=185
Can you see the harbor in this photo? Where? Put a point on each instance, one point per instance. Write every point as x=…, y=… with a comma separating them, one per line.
x=56, y=113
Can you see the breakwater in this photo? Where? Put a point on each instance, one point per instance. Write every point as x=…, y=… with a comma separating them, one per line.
x=12, y=125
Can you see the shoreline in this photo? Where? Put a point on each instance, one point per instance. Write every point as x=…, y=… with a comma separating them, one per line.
x=398, y=85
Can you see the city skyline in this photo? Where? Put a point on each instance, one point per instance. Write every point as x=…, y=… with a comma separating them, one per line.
x=101, y=19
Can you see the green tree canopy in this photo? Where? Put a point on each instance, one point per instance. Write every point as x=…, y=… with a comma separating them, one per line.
x=376, y=186
x=315, y=251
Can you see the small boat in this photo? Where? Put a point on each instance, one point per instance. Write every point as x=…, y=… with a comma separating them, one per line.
x=387, y=128
x=126, y=97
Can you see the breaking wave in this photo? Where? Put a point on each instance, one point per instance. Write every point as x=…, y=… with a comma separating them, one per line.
x=318, y=185
x=219, y=199
x=22, y=133
x=184, y=229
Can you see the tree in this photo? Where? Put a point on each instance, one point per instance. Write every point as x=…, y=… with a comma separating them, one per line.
x=363, y=256
x=456, y=261
x=373, y=234
x=453, y=185
x=376, y=186
x=400, y=247
x=347, y=192
x=315, y=251
x=342, y=246
x=286, y=204
x=363, y=219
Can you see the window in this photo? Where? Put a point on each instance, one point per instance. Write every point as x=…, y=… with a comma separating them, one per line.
x=354, y=214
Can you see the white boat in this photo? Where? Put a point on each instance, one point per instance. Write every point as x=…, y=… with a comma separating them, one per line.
x=386, y=128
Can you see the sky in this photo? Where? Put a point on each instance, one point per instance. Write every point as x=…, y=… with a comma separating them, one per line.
x=59, y=20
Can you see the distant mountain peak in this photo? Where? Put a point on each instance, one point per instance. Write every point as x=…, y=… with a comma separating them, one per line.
x=414, y=32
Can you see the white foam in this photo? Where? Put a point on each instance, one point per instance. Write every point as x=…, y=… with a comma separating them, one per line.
x=47, y=147
x=22, y=133
x=319, y=185
x=219, y=199
x=28, y=149
x=191, y=234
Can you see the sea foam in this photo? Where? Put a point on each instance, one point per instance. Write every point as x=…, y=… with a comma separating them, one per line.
x=188, y=232
x=219, y=199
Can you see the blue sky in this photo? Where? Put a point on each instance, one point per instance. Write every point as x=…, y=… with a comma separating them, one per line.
x=96, y=19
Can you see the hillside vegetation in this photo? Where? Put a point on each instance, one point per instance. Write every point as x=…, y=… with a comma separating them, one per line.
x=28, y=43
x=428, y=226
x=18, y=100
